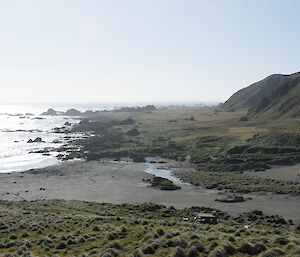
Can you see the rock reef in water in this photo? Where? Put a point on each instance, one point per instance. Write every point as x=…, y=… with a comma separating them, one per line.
x=50, y=112
x=136, y=109
x=37, y=140
x=73, y=112
x=70, y=112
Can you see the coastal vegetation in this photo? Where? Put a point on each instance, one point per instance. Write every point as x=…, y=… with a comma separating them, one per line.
x=216, y=143
x=77, y=228
x=238, y=182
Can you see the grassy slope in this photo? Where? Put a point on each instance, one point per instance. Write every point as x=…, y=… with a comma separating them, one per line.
x=254, y=93
x=76, y=228
x=283, y=103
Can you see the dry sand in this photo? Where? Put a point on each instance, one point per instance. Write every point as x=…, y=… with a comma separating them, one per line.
x=104, y=181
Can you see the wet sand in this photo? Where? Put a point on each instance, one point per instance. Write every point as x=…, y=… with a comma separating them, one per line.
x=104, y=181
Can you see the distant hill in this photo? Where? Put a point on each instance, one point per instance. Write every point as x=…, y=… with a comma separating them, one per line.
x=283, y=102
x=253, y=94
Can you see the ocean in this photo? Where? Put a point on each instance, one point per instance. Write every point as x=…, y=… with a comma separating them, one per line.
x=20, y=123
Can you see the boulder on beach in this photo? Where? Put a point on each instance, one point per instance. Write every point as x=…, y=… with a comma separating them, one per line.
x=50, y=112
x=164, y=184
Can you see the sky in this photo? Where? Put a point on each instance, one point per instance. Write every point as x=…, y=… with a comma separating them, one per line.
x=143, y=50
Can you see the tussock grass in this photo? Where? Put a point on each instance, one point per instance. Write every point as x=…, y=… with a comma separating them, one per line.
x=121, y=232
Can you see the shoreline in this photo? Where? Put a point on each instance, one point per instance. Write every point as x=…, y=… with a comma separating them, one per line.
x=37, y=141
x=104, y=181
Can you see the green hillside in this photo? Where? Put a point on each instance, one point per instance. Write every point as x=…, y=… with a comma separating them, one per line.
x=254, y=93
x=284, y=102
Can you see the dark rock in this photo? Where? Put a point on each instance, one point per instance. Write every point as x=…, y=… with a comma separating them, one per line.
x=163, y=184
x=37, y=140
x=192, y=118
x=147, y=108
x=73, y=112
x=50, y=112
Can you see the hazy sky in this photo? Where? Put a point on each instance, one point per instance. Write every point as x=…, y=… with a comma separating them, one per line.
x=143, y=50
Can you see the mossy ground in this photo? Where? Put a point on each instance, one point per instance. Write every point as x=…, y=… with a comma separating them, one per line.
x=238, y=182
x=76, y=228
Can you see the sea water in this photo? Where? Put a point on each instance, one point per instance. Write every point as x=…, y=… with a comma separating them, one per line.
x=18, y=124
x=21, y=122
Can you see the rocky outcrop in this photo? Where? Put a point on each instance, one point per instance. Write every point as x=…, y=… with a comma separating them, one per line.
x=147, y=108
x=50, y=112
x=37, y=140
x=73, y=112
x=164, y=184
x=192, y=118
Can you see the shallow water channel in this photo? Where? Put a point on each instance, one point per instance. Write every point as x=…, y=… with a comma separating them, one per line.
x=159, y=171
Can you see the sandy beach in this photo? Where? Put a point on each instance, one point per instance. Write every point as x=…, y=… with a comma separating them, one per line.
x=104, y=181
